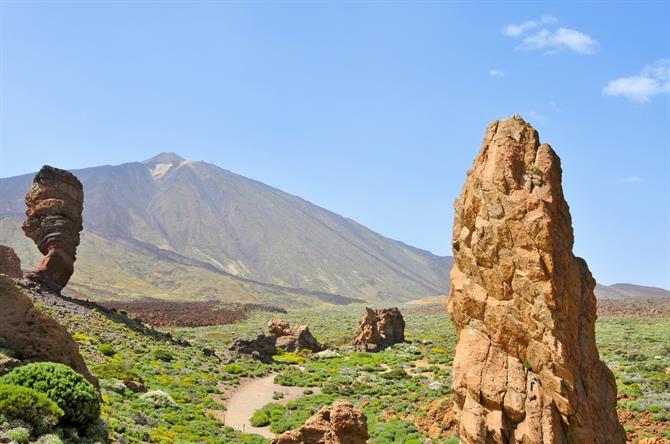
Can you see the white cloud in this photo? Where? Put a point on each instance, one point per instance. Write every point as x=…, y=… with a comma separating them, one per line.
x=560, y=39
x=630, y=179
x=516, y=30
x=543, y=37
x=653, y=80
x=496, y=73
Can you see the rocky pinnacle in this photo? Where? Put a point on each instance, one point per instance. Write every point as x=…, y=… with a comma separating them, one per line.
x=54, y=219
x=526, y=368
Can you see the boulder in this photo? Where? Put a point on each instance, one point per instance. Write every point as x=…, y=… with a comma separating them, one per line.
x=339, y=423
x=55, y=203
x=262, y=347
x=134, y=386
x=380, y=329
x=10, y=264
x=293, y=339
x=526, y=368
x=34, y=336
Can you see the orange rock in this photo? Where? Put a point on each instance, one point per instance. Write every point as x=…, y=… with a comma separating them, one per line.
x=340, y=423
x=380, y=329
x=10, y=264
x=526, y=367
x=55, y=203
x=34, y=336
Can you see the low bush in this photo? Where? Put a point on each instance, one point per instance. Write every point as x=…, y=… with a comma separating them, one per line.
x=20, y=435
x=78, y=399
x=31, y=406
x=163, y=354
x=107, y=350
x=260, y=419
x=116, y=369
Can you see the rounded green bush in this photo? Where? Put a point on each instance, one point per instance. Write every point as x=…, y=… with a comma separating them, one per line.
x=70, y=390
x=31, y=406
x=260, y=419
x=107, y=349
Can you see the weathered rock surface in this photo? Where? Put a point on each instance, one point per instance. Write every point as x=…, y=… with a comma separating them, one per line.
x=379, y=329
x=526, y=367
x=55, y=203
x=293, y=338
x=34, y=336
x=262, y=347
x=339, y=423
x=10, y=264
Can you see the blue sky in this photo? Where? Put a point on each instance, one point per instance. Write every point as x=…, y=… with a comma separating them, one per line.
x=372, y=110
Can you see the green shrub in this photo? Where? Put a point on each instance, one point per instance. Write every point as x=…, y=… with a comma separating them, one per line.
x=19, y=434
x=78, y=399
x=49, y=439
x=107, y=350
x=260, y=419
x=162, y=354
x=31, y=406
x=233, y=369
x=116, y=369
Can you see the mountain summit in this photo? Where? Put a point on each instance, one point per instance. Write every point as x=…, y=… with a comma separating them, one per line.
x=171, y=227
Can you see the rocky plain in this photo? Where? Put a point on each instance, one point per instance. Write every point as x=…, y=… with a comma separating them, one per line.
x=521, y=350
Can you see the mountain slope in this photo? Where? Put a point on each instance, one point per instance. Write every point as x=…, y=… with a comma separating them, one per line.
x=169, y=215
x=630, y=291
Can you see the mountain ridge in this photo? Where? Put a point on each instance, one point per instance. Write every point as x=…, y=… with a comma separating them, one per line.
x=239, y=226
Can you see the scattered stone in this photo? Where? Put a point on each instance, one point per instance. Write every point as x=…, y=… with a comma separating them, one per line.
x=8, y=364
x=380, y=329
x=438, y=421
x=210, y=353
x=135, y=386
x=339, y=423
x=34, y=336
x=55, y=203
x=262, y=348
x=526, y=367
x=10, y=264
x=293, y=339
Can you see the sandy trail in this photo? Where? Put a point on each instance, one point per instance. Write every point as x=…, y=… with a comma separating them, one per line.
x=253, y=394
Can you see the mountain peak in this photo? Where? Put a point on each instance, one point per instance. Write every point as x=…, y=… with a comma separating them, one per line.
x=161, y=164
x=164, y=158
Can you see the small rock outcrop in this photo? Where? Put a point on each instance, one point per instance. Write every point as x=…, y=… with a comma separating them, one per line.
x=526, y=367
x=55, y=203
x=10, y=264
x=379, y=329
x=34, y=336
x=262, y=347
x=339, y=423
x=293, y=338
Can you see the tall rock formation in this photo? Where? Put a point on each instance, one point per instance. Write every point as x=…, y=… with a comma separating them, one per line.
x=526, y=368
x=55, y=203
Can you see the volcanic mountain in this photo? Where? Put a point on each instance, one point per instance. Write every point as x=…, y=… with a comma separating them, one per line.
x=180, y=229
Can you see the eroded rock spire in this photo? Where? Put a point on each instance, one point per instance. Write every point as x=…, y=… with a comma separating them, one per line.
x=526, y=368
x=55, y=203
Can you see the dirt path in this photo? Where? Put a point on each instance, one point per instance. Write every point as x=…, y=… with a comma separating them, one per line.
x=253, y=394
